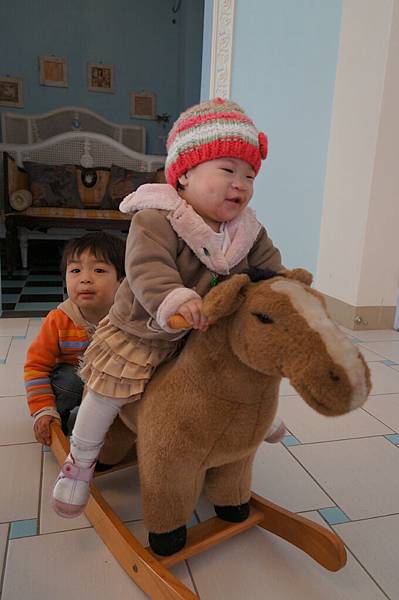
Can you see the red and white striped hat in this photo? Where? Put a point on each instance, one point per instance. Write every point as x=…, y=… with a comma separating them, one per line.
x=212, y=129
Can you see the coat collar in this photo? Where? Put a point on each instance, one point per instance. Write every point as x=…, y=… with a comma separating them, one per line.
x=243, y=230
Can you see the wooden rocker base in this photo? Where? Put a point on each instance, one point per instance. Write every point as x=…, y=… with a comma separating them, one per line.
x=150, y=572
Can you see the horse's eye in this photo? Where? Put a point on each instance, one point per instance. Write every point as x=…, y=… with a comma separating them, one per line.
x=265, y=319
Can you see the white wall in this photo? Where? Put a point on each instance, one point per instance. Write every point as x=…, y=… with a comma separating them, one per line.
x=379, y=272
x=320, y=76
x=359, y=243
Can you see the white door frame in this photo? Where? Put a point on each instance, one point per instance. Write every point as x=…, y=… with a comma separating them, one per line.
x=222, y=48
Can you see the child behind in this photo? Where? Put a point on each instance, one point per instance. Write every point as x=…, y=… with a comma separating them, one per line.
x=185, y=236
x=93, y=268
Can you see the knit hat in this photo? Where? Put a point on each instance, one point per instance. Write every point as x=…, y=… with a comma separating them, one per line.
x=212, y=129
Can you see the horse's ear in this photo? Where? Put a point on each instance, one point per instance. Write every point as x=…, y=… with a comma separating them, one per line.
x=300, y=275
x=225, y=298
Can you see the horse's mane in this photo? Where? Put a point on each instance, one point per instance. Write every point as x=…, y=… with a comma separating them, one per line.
x=256, y=274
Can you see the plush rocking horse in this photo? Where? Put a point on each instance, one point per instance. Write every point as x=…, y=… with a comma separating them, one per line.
x=204, y=414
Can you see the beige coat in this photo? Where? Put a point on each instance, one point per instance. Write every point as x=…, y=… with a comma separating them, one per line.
x=171, y=256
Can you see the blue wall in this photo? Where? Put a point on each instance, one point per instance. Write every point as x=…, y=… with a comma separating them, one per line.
x=284, y=63
x=138, y=37
x=190, y=52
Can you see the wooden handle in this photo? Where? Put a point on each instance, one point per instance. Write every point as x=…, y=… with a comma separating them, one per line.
x=178, y=322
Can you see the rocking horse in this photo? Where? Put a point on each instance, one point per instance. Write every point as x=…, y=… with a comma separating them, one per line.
x=204, y=414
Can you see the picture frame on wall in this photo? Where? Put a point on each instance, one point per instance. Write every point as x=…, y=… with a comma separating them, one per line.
x=142, y=105
x=11, y=92
x=53, y=71
x=100, y=78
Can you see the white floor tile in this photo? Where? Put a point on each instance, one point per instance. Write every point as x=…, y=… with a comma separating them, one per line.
x=73, y=564
x=20, y=467
x=309, y=426
x=375, y=544
x=384, y=379
x=33, y=328
x=5, y=343
x=16, y=426
x=359, y=475
x=278, y=477
x=204, y=509
x=353, y=572
x=3, y=543
x=385, y=408
x=17, y=351
x=121, y=490
x=139, y=531
x=369, y=355
x=61, y=566
x=258, y=565
x=12, y=380
x=13, y=326
x=377, y=335
x=388, y=349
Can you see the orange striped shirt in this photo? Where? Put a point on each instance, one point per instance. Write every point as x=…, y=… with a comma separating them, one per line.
x=59, y=340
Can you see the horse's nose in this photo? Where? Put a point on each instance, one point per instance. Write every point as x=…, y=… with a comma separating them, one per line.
x=333, y=376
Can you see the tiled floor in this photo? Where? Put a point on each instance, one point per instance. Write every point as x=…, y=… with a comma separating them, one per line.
x=32, y=292
x=342, y=472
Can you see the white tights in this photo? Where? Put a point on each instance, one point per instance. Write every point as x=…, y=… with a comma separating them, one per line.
x=94, y=418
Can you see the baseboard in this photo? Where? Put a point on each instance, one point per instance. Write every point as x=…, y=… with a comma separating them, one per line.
x=360, y=317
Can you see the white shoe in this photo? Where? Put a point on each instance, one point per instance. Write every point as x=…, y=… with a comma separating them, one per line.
x=72, y=488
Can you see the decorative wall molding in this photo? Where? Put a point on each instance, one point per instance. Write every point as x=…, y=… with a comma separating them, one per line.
x=222, y=48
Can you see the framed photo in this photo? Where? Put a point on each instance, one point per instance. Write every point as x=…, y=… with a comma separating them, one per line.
x=142, y=105
x=100, y=78
x=11, y=92
x=53, y=71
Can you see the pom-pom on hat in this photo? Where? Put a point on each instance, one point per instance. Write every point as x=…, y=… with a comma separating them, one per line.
x=212, y=129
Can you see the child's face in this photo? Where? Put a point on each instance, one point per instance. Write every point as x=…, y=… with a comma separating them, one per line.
x=91, y=283
x=219, y=189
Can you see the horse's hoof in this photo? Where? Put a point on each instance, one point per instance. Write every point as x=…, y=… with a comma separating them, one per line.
x=168, y=543
x=234, y=514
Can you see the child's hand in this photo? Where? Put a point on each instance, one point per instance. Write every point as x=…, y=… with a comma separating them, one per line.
x=192, y=312
x=42, y=431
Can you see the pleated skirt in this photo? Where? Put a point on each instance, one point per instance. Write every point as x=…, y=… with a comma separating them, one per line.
x=119, y=364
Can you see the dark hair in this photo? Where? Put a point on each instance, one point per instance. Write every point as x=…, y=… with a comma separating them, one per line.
x=256, y=274
x=104, y=246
